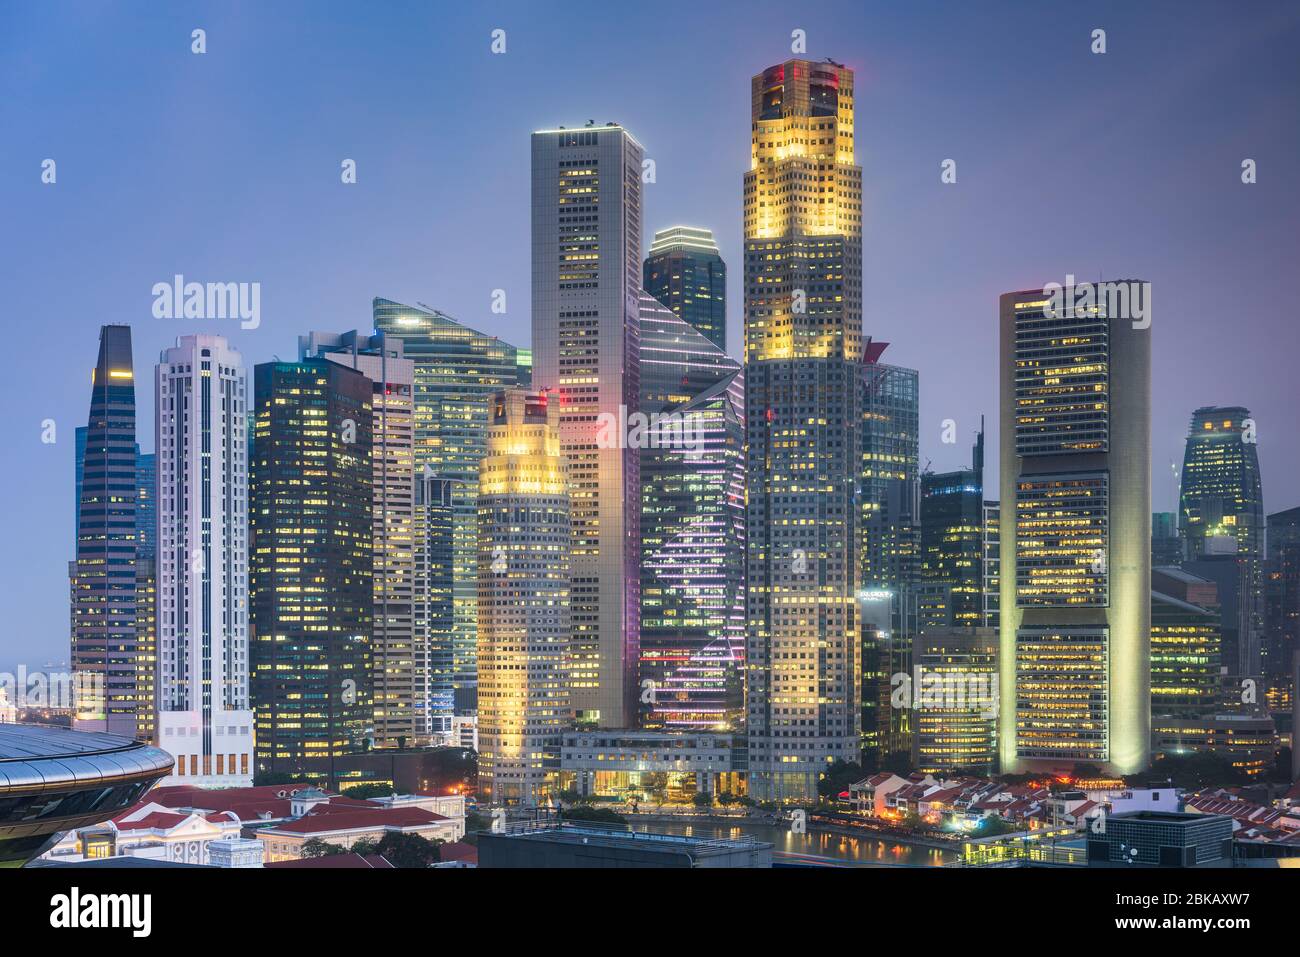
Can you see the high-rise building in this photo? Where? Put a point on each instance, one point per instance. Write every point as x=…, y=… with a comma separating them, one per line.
x=1222, y=498
x=803, y=383
x=104, y=637
x=204, y=719
x=457, y=370
x=146, y=503
x=951, y=555
x=1075, y=473
x=685, y=272
x=523, y=600
x=1166, y=546
x=692, y=528
x=310, y=574
x=889, y=508
x=1282, y=612
x=992, y=551
x=399, y=650
x=1185, y=646
x=435, y=557
x=955, y=700
x=586, y=241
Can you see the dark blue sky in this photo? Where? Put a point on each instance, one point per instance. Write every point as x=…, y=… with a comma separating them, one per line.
x=225, y=167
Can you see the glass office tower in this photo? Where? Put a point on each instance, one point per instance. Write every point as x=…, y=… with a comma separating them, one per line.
x=1221, y=501
x=692, y=528
x=311, y=576
x=457, y=370
x=104, y=635
x=685, y=272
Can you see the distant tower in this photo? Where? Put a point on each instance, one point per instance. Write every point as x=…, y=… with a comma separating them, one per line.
x=523, y=604
x=104, y=637
x=1076, y=535
x=1221, y=509
x=685, y=272
x=204, y=718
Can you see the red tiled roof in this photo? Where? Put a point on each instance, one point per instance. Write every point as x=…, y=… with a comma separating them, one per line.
x=161, y=820
x=459, y=851
x=352, y=861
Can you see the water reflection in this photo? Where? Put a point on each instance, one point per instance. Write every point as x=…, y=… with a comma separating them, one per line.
x=860, y=851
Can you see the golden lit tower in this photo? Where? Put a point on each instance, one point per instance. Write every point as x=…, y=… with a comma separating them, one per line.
x=523, y=598
x=803, y=364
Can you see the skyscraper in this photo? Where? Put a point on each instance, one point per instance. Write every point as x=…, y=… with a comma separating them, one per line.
x=1221, y=498
x=146, y=594
x=1076, y=535
x=692, y=528
x=523, y=600
x=435, y=558
x=803, y=374
x=457, y=370
x=586, y=242
x=204, y=719
x=104, y=638
x=399, y=652
x=950, y=558
x=889, y=511
x=310, y=574
x=685, y=272
x=1282, y=611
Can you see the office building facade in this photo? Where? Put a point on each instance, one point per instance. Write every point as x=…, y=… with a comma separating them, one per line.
x=311, y=572
x=685, y=272
x=105, y=649
x=523, y=600
x=1076, y=535
x=457, y=370
x=586, y=289
x=692, y=528
x=204, y=720
x=399, y=650
x=803, y=382
x=1221, y=499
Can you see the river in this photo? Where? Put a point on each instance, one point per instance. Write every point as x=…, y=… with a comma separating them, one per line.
x=815, y=847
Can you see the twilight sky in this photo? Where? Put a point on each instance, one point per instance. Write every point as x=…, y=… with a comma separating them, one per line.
x=225, y=167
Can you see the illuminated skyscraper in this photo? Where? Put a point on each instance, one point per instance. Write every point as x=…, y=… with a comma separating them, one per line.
x=951, y=566
x=685, y=272
x=398, y=652
x=692, y=527
x=1076, y=536
x=1282, y=610
x=104, y=636
x=523, y=600
x=204, y=719
x=457, y=370
x=955, y=698
x=586, y=241
x=310, y=574
x=803, y=381
x=889, y=512
x=1221, y=498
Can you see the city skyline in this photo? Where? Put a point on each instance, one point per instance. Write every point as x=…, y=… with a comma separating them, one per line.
x=895, y=174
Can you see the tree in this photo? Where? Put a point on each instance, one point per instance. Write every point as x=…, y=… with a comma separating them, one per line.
x=991, y=826
x=838, y=777
x=364, y=791
x=702, y=799
x=596, y=815
x=317, y=847
x=408, y=850
x=267, y=778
